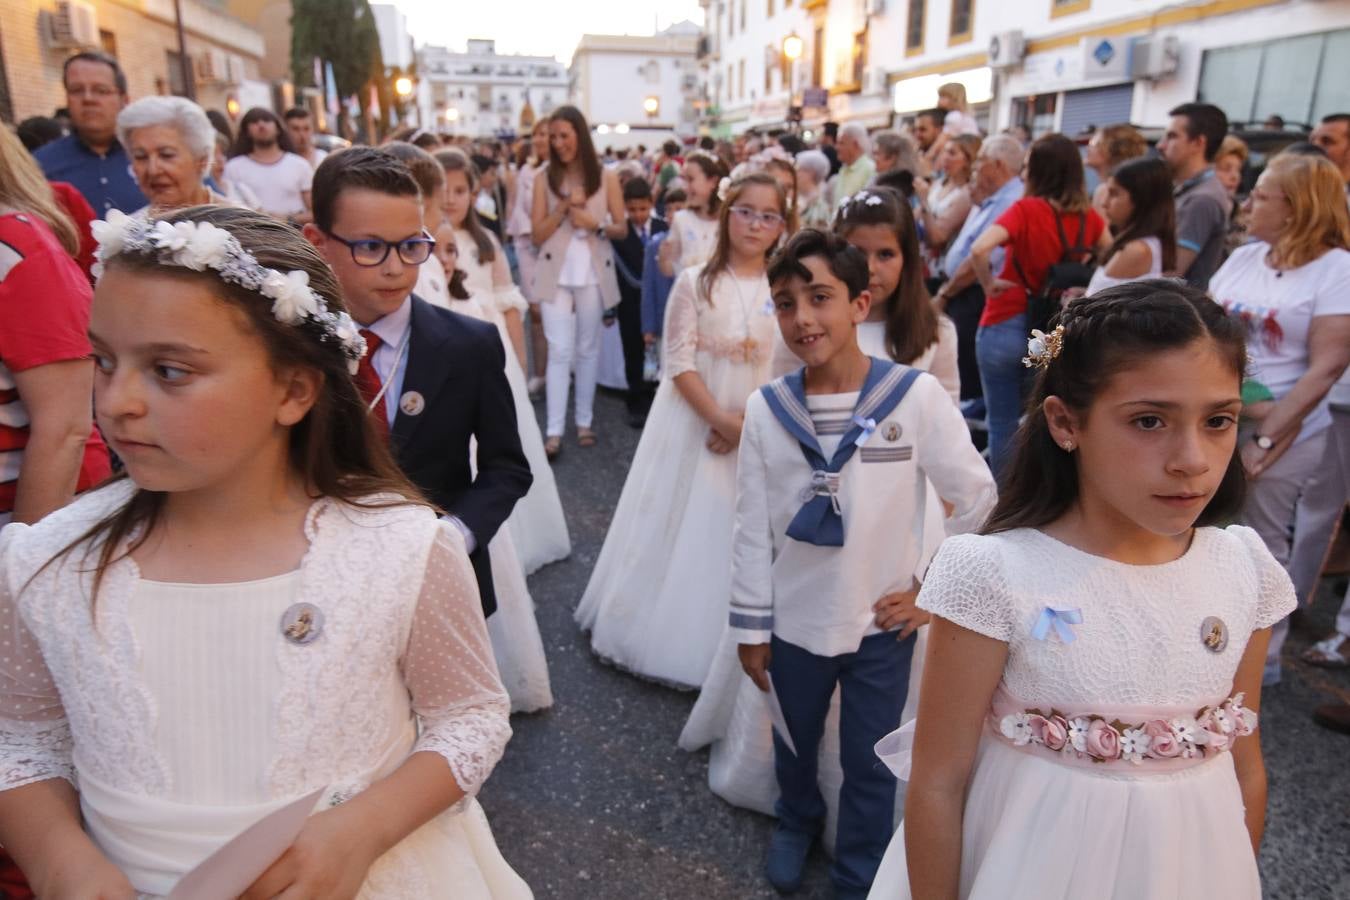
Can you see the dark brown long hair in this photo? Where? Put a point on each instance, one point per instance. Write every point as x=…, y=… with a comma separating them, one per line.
x=453, y=159
x=591, y=175
x=1149, y=185
x=720, y=260
x=243, y=141
x=712, y=167
x=911, y=321
x=1055, y=174
x=335, y=449
x=1115, y=328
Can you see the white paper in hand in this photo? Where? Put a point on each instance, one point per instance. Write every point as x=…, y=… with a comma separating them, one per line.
x=776, y=714
x=228, y=872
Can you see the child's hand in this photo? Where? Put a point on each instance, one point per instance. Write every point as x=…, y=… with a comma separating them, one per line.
x=648, y=339
x=898, y=609
x=755, y=661
x=718, y=444
x=328, y=861
x=86, y=876
x=730, y=428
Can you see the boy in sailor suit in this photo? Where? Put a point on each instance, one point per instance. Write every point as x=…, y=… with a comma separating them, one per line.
x=831, y=486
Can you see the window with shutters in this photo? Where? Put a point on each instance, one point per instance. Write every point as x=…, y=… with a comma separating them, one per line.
x=962, y=21
x=914, y=28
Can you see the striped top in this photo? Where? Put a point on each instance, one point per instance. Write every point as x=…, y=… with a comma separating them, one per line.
x=44, y=319
x=831, y=414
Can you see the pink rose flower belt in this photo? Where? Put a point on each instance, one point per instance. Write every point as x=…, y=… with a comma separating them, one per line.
x=1159, y=738
x=1140, y=738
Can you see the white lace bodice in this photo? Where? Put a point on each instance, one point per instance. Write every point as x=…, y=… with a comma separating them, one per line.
x=400, y=604
x=1140, y=640
x=489, y=282
x=738, y=324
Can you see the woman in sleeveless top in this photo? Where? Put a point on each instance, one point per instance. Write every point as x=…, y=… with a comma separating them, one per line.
x=1142, y=215
x=577, y=207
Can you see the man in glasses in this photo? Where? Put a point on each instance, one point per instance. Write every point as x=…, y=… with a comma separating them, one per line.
x=90, y=157
x=433, y=379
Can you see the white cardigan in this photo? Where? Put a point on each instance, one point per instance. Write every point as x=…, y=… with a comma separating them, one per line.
x=820, y=598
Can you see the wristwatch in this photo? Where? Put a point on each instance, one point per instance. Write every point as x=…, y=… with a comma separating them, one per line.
x=1263, y=441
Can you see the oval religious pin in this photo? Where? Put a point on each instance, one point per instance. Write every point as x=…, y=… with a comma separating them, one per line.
x=302, y=623
x=891, y=432
x=1214, y=634
x=412, y=403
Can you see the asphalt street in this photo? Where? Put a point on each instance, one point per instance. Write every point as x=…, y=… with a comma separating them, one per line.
x=594, y=800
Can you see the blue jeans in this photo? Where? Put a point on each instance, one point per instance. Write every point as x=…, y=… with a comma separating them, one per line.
x=1006, y=382
x=873, y=681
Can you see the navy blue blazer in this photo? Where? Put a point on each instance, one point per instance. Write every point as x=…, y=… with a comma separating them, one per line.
x=458, y=365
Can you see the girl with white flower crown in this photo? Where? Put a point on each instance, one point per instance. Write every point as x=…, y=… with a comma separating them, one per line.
x=693, y=230
x=657, y=598
x=1093, y=674
x=262, y=617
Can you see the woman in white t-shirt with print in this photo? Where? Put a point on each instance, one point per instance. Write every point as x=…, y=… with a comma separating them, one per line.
x=1143, y=217
x=1290, y=286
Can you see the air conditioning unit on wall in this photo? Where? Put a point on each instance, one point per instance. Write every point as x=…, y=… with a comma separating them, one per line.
x=876, y=7
x=1006, y=49
x=72, y=25
x=1155, y=57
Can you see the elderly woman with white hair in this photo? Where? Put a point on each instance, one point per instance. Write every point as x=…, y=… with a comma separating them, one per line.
x=813, y=202
x=171, y=143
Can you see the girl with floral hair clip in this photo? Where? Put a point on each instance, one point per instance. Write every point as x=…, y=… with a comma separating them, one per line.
x=262, y=617
x=1093, y=675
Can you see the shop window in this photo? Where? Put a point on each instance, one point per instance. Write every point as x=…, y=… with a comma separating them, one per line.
x=1068, y=7
x=962, y=21
x=1036, y=113
x=1300, y=78
x=914, y=28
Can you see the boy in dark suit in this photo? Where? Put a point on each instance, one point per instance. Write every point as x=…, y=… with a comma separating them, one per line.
x=628, y=257
x=433, y=378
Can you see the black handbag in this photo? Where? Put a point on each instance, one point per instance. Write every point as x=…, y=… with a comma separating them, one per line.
x=1069, y=272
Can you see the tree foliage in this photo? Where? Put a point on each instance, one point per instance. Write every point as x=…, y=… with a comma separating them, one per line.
x=340, y=32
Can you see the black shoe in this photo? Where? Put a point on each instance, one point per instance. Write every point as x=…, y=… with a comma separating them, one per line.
x=787, y=859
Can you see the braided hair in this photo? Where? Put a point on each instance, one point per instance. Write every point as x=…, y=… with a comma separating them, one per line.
x=1103, y=334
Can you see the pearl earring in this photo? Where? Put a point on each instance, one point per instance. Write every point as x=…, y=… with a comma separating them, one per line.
x=1068, y=446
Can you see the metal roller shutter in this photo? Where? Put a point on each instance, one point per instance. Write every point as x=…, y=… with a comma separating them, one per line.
x=1096, y=106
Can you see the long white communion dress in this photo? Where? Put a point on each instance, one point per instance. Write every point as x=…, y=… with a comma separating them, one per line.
x=730, y=714
x=657, y=599
x=537, y=523
x=514, y=627
x=185, y=713
x=1104, y=768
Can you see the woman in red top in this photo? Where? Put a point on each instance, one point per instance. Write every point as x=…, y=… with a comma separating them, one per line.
x=1055, y=190
x=48, y=447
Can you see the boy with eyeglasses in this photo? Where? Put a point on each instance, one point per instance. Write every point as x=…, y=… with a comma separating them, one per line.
x=433, y=378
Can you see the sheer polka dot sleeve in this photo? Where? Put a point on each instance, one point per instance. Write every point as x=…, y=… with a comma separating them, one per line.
x=966, y=585
x=35, y=740
x=450, y=670
x=680, y=353
x=1275, y=592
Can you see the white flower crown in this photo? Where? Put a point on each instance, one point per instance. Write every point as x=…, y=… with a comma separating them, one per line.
x=864, y=197
x=200, y=246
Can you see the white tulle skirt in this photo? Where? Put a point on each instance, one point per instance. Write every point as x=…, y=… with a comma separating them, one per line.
x=514, y=631
x=1035, y=829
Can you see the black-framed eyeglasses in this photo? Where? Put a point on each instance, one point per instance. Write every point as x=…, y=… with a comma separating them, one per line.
x=372, y=252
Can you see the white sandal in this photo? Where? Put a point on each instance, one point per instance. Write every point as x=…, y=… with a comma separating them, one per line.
x=1329, y=653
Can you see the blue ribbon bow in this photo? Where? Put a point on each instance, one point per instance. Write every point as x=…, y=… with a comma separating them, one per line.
x=820, y=521
x=1060, y=620
x=868, y=426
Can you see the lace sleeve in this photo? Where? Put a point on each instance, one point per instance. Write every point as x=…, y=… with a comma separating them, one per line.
x=505, y=295
x=681, y=328
x=35, y=741
x=965, y=585
x=450, y=671
x=1275, y=592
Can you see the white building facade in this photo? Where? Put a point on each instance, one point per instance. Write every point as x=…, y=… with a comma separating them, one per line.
x=482, y=93
x=747, y=79
x=1052, y=64
x=643, y=82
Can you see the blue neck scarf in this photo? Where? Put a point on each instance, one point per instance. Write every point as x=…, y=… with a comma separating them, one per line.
x=820, y=521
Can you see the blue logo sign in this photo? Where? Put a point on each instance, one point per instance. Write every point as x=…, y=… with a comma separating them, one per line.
x=1104, y=53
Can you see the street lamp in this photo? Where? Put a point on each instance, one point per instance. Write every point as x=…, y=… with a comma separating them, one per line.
x=651, y=106
x=452, y=115
x=403, y=86
x=793, y=47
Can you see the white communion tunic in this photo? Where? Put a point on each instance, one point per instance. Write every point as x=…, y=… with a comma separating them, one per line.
x=185, y=714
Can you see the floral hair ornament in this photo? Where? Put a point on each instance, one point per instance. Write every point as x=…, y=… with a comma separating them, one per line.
x=200, y=246
x=1042, y=348
x=864, y=197
x=723, y=187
